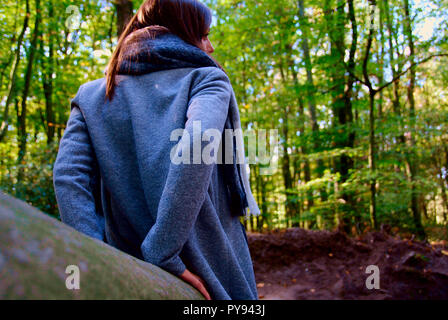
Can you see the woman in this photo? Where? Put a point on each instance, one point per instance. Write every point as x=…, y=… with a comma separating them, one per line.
x=116, y=176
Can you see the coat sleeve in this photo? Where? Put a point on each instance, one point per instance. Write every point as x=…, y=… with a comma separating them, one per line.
x=74, y=172
x=187, y=182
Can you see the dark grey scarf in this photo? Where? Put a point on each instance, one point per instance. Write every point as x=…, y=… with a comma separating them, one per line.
x=155, y=49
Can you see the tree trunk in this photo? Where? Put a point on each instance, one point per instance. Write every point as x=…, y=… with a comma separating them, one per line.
x=445, y=149
x=311, y=92
x=395, y=70
x=13, y=74
x=286, y=163
x=301, y=125
x=393, y=66
x=124, y=9
x=264, y=205
x=372, y=163
x=441, y=181
x=372, y=93
x=37, y=249
x=47, y=79
x=412, y=163
x=22, y=130
x=5, y=64
x=346, y=162
x=381, y=58
x=341, y=98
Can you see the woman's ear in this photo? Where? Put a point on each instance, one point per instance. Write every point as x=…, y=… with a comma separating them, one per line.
x=207, y=45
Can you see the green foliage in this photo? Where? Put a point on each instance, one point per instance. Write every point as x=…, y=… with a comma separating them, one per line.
x=36, y=186
x=290, y=72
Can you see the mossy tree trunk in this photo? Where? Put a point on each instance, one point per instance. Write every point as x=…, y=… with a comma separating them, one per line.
x=35, y=251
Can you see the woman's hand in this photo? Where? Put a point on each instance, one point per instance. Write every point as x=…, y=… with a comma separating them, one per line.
x=196, y=282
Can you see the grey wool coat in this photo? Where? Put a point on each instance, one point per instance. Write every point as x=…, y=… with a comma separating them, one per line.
x=114, y=179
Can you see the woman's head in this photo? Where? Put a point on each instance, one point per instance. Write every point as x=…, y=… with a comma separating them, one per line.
x=190, y=20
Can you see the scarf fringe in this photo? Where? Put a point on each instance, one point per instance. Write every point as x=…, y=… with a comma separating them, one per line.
x=252, y=204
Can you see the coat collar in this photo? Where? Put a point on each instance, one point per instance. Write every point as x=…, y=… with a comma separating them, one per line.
x=154, y=48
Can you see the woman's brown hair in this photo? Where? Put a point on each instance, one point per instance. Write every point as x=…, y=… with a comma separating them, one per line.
x=188, y=19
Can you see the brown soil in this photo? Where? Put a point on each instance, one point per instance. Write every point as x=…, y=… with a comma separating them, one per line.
x=300, y=264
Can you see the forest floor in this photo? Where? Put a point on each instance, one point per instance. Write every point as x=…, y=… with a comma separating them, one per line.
x=300, y=264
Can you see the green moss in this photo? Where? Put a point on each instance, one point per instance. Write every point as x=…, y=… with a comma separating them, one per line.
x=35, y=250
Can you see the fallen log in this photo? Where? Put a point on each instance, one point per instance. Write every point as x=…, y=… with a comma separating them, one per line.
x=40, y=257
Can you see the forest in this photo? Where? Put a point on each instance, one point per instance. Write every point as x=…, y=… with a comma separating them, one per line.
x=357, y=90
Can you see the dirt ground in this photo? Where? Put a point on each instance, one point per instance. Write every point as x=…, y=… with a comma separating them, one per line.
x=301, y=264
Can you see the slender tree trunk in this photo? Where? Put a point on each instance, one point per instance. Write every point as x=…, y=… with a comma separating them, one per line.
x=310, y=90
x=311, y=93
x=372, y=162
x=381, y=59
x=341, y=98
x=264, y=205
x=393, y=65
x=296, y=163
x=412, y=163
x=395, y=70
x=441, y=181
x=425, y=209
x=372, y=93
x=346, y=161
x=13, y=74
x=445, y=149
x=286, y=163
x=261, y=198
x=124, y=9
x=306, y=162
x=22, y=129
x=301, y=125
x=47, y=78
x=5, y=64
x=286, y=169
